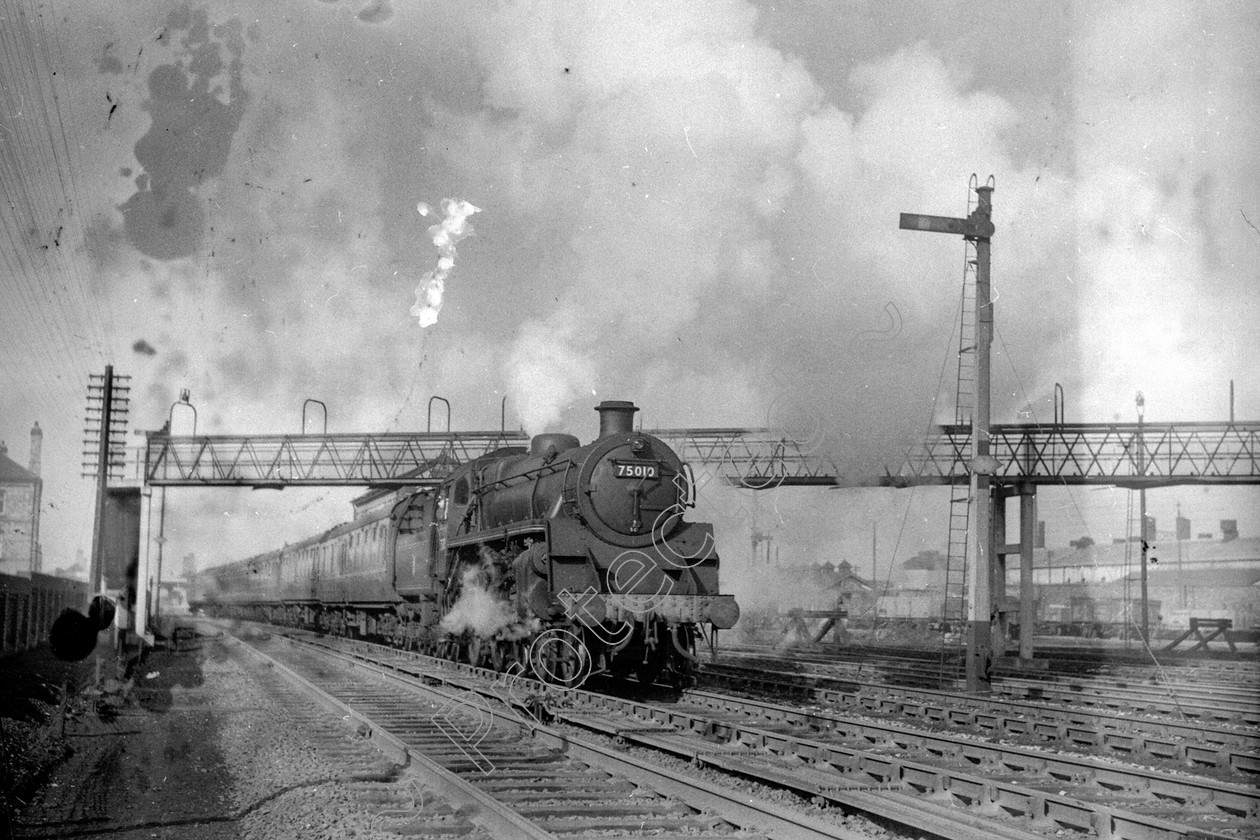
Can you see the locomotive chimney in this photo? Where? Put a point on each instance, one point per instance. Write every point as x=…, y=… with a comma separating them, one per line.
x=616, y=417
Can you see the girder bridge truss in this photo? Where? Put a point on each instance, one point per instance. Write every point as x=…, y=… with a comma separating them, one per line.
x=1129, y=455
x=758, y=458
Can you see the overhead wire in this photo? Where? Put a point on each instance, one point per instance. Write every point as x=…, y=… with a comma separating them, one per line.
x=71, y=172
x=58, y=322
x=42, y=204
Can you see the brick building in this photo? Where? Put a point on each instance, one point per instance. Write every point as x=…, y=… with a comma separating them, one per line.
x=21, y=490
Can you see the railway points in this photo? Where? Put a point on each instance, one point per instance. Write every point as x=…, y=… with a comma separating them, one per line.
x=876, y=768
x=523, y=778
x=1125, y=732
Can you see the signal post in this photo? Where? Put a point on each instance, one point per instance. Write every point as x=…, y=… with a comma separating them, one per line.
x=978, y=229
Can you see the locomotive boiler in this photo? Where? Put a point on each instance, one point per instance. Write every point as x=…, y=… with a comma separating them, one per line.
x=586, y=544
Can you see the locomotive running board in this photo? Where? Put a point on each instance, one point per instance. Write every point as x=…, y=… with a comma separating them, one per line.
x=528, y=526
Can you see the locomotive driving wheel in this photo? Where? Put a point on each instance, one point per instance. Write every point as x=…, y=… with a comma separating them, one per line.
x=498, y=654
x=559, y=657
x=474, y=650
x=448, y=649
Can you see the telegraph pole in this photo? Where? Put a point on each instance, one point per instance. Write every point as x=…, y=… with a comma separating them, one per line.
x=977, y=228
x=106, y=398
x=108, y=403
x=110, y=400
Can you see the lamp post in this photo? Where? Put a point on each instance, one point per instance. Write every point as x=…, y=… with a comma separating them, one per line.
x=1141, y=466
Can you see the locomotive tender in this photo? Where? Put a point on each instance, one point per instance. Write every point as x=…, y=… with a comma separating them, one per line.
x=584, y=543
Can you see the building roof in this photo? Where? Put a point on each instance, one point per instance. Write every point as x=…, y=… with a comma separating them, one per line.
x=1243, y=549
x=1228, y=578
x=13, y=473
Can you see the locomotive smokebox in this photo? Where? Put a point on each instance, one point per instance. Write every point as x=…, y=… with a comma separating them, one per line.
x=616, y=417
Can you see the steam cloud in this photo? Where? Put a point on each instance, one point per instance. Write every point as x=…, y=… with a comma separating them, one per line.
x=453, y=227
x=1161, y=224
x=477, y=609
x=678, y=196
x=714, y=261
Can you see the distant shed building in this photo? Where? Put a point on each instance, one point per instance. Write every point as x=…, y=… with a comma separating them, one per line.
x=1108, y=563
x=21, y=491
x=1185, y=579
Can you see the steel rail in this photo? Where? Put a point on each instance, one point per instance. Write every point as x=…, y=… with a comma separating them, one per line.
x=1154, y=699
x=499, y=819
x=935, y=819
x=726, y=745
x=1194, y=744
x=1175, y=700
x=994, y=788
x=734, y=806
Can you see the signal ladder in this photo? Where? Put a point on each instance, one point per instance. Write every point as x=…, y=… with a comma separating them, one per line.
x=954, y=607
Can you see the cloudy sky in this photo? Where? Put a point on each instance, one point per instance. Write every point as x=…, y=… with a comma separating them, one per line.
x=690, y=205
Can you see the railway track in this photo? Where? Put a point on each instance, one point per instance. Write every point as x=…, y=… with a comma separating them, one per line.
x=1233, y=750
x=1013, y=786
x=1198, y=700
x=508, y=776
x=910, y=665
x=1178, y=700
x=945, y=785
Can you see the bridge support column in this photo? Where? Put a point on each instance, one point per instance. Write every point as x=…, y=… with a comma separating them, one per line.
x=1026, y=608
x=1027, y=593
x=979, y=657
x=147, y=577
x=997, y=579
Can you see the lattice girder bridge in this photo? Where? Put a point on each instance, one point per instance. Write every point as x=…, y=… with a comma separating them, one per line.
x=759, y=458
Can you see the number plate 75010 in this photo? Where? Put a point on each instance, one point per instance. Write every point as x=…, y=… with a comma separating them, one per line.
x=636, y=469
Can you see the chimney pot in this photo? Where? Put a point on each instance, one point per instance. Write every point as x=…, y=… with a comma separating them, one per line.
x=37, y=445
x=616, y=417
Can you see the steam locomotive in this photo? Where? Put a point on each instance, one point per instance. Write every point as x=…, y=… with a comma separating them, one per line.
x=567, y=559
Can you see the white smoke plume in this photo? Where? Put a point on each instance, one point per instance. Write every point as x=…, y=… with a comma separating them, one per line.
x=549, y=369
x=477, y=609
x=1166, y=139
x=713, y=254
x=453, y=227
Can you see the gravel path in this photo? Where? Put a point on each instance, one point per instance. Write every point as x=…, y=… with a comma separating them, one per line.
x=205, y=746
